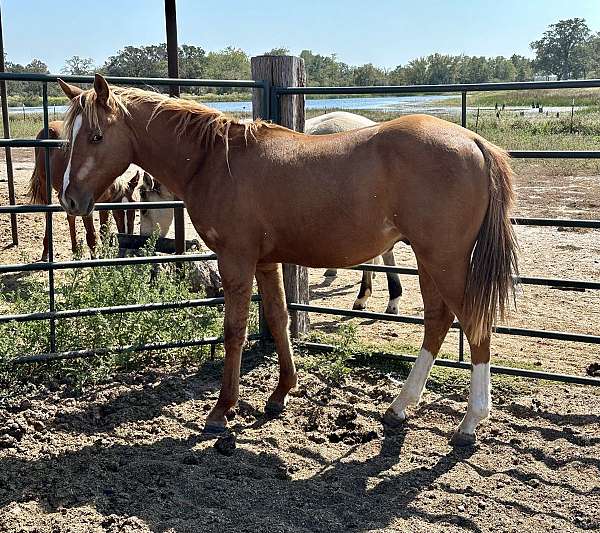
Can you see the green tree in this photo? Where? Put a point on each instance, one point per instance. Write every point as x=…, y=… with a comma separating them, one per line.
x=369, y=74
x=523, y=67
x=79, y=66
x=281, y=51
x=562, y=49
x=138, y=61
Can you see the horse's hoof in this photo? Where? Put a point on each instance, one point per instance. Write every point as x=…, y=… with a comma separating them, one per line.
x=392, y=420
x=273, y=408
x=214, y=428
x=461, y=439
x=359, y=306
x=392, y=310
x=331, y=273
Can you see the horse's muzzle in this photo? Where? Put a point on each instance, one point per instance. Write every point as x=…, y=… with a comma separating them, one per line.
x=77, y=206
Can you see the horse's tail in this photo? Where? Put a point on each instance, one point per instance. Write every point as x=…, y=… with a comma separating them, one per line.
x=36, y=192
x=490, y=283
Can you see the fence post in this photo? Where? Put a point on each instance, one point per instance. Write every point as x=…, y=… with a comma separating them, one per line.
x=6, y=125
x=173, y=69
x=285, y=71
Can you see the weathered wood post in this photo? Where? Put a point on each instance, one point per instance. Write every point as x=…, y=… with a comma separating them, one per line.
x=285, y=71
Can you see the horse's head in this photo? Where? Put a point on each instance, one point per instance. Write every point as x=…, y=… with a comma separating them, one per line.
x=99, y=145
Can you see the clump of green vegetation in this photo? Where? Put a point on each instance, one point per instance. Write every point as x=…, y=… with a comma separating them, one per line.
x=335, y=365
x=102, y=287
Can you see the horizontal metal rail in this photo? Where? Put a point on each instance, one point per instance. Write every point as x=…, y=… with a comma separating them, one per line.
x=76, y=354
x=555, y=154
x=518, y=154
x=118, y=80
x=117, y=309
x=495, y=369
x=549, y=282
x=445, y=88
x=106, y=206
x=406, y=319
x=66, y=265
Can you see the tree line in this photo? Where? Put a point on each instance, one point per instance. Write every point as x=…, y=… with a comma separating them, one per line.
x=567, y=49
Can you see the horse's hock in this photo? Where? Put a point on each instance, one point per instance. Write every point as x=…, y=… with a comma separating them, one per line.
x=285, y=71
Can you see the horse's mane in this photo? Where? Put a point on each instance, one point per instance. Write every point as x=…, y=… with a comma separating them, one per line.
x=191, y=117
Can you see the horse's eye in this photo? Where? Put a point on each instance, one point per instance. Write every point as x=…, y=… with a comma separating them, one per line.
x=96, y=138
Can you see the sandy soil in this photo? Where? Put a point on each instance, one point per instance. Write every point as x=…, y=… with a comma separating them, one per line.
x=129, y=457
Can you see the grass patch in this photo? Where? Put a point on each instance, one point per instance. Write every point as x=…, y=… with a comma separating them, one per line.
x=102, y=287
x=544, y=97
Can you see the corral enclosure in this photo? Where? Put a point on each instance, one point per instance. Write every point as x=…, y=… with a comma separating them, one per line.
x=330, y=442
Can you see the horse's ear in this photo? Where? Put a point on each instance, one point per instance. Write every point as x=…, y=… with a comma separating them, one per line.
x=102, y=89
x=70, y=90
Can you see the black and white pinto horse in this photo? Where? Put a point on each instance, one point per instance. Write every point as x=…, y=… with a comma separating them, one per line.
x=335, y=123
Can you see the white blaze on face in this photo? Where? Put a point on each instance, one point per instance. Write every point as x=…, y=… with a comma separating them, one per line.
x=67, y=176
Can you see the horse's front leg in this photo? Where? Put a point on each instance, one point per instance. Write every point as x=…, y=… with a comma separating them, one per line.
x=237, y=275
x=90, y=235
x=270, y=284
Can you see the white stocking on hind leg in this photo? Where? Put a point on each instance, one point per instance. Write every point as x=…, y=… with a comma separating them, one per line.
x=438, y=319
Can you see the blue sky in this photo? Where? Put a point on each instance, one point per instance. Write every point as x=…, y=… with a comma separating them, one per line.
x=385, y=32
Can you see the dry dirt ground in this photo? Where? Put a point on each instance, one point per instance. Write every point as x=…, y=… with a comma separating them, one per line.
x=128, y=456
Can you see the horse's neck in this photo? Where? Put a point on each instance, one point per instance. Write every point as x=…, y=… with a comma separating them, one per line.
x=158, y=149
x=159, y=152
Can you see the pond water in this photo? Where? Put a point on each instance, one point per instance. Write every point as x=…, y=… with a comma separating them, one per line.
x=409, y=104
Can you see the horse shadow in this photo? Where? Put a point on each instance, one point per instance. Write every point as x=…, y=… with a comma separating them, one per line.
x=148, y=400
x=171, y=483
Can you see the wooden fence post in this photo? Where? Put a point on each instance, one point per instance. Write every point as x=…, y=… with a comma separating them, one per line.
x=285, y=71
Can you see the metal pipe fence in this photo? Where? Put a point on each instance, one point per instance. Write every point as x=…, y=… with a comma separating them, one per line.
x=51, y=266
x=464, y=89
x=271, y=99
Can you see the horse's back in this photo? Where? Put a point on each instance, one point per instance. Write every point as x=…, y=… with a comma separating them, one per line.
x=336, y=122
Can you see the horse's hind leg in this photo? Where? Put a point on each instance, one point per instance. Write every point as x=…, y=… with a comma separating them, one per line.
x=480, y=394
x=365, y=291
x=270, y=284
x=46, y=236
x=438, y=319
x=394, y=285
x=450, y=278
x=90, y=235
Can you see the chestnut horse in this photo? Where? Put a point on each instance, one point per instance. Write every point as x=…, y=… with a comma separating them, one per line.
x=119, y=191
x=259, y=194
x=337, y=122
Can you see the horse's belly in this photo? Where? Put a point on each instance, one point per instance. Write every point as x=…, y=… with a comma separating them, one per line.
x=334, y=247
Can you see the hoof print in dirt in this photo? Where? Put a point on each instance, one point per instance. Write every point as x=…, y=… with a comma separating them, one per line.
x=346, y=418
x=462, y=440
x=225, y=444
